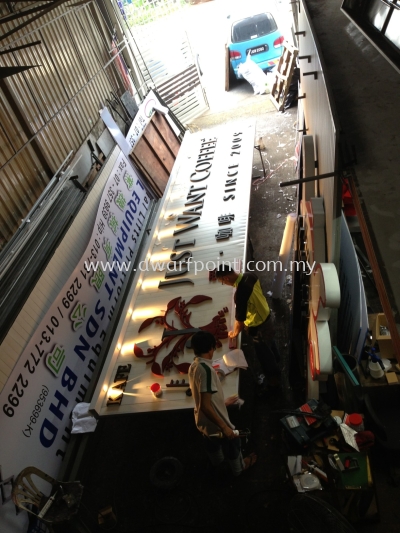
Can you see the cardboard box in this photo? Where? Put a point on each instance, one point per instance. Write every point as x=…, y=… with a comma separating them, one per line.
x=391, y=378
x=384, y=341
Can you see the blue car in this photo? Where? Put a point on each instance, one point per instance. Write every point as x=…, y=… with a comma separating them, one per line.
x=258, y=35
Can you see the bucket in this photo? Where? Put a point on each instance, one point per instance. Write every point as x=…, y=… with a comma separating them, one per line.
x=375, y=370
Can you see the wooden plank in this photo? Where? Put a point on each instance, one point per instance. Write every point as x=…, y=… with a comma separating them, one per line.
x=142, y=170
x=143, y=153
x=155, y=153
x=283, y=76
x=163, y=127
x=227, y=65
x=157, y=145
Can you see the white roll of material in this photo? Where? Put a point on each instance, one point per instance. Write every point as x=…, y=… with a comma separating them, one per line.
x=277, y=284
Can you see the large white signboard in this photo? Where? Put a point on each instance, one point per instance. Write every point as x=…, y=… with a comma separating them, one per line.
x=203, y=222
x=55, y=369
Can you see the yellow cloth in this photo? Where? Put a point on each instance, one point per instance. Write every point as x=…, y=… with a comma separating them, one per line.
x=257, y=306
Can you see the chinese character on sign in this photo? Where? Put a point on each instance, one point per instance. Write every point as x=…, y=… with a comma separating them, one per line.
x=106, y=209
x=107, y=248
x=78, y=316
x=112, y=223
x=224, y=233
x=120, y=200
x=100, y=227
x=225, y=219
x=97, y=279
x=110, y=194
x=128, y=180
x=55, y=359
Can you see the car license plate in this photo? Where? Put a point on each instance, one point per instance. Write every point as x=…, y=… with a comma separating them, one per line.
x=257, y=49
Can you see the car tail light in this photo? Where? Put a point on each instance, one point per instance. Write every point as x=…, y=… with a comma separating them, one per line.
x=234, y=54
x=278, y=42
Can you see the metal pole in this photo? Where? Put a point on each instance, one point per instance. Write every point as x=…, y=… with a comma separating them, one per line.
x=309, y=178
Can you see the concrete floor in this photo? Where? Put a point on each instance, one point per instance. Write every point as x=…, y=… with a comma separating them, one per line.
x=115, y=468
x=116, y=465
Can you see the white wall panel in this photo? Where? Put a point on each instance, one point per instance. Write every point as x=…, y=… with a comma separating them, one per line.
x=320, y=123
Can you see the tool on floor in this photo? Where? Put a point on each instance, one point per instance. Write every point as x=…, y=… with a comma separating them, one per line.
x=335, y=462
x=312, y=466
x=242, y=433
x=350, y=463
x=258, y=148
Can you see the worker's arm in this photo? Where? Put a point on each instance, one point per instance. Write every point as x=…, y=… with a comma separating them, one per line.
x=237, y=328
x=207, y=408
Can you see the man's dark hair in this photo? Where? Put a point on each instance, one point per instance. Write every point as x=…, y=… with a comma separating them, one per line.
x=202, y=342
x=223, y=270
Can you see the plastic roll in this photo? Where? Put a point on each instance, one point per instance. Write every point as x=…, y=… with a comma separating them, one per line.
x=277, y=284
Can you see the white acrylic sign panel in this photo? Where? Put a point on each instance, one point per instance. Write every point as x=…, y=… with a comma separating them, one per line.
x=211, y=178
x=353, y=320
x=142, y=118
x=54, y=370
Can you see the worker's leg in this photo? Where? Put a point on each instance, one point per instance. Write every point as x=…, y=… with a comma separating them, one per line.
x=233, y=453
x=214, y=450
x=266, y=349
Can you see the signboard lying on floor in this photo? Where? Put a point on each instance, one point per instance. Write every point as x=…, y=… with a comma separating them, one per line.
x=201, y=223
x=54, y=370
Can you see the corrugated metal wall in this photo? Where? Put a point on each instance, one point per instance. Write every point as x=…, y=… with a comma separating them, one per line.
x=50, y=109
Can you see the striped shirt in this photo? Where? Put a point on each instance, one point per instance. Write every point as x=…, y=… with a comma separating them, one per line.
x=203, y=378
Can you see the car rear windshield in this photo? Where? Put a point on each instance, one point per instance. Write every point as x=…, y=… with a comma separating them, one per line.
x=253, y=27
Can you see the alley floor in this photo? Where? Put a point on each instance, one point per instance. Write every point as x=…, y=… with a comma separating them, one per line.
x=115, y=469
x=116, y=465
